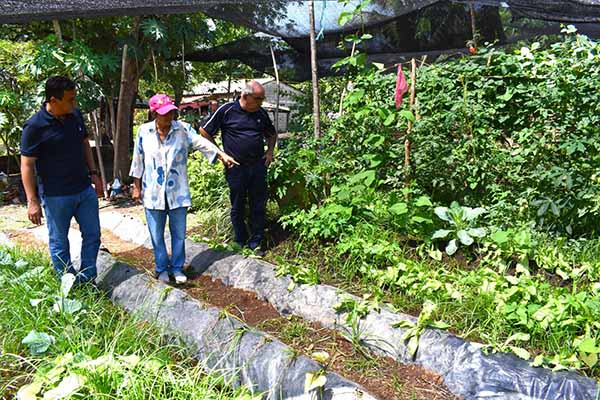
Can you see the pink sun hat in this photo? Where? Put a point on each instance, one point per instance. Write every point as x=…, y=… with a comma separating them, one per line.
x=161, y=104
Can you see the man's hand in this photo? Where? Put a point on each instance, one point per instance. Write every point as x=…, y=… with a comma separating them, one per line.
x=98, y=185
x=34, y=211
x=268, y=157
x=227, y=160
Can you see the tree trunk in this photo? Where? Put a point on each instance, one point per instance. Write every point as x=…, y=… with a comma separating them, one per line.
x=127, y=93
x=313, y=68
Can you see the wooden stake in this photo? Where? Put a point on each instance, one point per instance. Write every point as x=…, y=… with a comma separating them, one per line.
x=313, y=67
x=413, y=86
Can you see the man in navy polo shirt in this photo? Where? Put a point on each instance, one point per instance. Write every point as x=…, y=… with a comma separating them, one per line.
x=244, y=126
x=55, y=145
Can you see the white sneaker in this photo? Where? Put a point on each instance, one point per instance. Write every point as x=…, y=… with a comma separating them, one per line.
x=164, y=277
x=180, y=277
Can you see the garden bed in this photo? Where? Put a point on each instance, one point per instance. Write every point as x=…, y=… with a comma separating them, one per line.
x=458, y=361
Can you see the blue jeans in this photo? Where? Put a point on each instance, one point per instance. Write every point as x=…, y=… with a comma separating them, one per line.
x=248, y=182
x=59, y=211
x=177, y=225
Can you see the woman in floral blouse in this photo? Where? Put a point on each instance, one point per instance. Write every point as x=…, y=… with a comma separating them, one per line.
x=159, y=171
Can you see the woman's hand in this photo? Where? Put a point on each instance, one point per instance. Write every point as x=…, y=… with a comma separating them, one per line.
x=227, y=160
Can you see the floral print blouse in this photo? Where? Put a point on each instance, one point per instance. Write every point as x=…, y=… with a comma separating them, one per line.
x=162, y=165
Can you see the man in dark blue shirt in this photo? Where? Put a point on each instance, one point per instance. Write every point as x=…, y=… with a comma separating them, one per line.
x=244, y=126
x=55, y=145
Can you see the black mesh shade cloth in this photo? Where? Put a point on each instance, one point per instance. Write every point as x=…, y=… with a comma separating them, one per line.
x=401, y=28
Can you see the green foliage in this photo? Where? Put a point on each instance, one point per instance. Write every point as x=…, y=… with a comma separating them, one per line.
x=462, y=226
x=99, y=352
x=414, y=330
x=514, y=133
x=208, y=187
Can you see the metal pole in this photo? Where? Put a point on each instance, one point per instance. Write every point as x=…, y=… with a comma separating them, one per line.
x=276, y=79
x=413, y=88
x=313, y=67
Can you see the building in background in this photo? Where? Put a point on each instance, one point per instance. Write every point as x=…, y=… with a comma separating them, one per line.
x=195, y=103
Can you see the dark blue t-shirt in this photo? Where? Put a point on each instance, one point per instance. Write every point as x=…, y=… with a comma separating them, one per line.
x=58, y=146
x=243, y=132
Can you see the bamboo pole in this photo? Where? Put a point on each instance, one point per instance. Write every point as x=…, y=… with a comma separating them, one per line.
x=278, y=88
x=313, y=67
x=473, y=24
x=413, y=88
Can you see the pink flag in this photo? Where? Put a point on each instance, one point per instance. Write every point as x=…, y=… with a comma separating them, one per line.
x=401, y=87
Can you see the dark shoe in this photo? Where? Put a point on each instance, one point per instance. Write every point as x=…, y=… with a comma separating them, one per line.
x=258, y=251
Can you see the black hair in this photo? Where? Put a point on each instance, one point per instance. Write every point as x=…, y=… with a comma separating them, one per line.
x=57, y=85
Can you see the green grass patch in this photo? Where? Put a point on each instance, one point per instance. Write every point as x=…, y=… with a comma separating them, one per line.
x=56, y=340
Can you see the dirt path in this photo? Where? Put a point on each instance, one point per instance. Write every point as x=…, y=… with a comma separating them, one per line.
x=382, y=376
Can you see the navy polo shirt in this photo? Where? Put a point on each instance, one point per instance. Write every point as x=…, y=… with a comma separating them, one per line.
x=58, y=146
x=243, y=132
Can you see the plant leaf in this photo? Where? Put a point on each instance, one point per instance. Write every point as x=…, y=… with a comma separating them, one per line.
x=29, y=392
x=589, y=359
x=38, y=342
x=442, y=213
x=588, y=345
x=472, y=213
x=440, y=234
x=66, y=388
x=464, y=237
x=451, y=247
x=67, y=306
x=439, y=325
x=399, y=209
x=520, y=352
x=477, y=232
x=66, y=283
x=413, y=345
x=320, y=356
x=500, y=236
x=423, y=201
x=314, y=380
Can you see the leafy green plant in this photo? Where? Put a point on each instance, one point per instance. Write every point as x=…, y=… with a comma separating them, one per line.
x=414, y=330
x=355, y=311
x=462, y=226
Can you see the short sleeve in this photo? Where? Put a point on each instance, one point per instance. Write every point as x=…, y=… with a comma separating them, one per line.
x=200, y=143
x=79, y=116
x=137, y=161
x=31, y=140
x=213, y=124
x=269, y=128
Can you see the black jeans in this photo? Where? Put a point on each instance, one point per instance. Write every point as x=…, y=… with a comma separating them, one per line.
x=248, y=183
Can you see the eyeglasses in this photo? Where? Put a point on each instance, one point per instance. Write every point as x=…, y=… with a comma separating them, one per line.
x=258, y=98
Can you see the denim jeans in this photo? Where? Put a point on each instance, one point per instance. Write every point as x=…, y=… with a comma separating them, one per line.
x=59, y=211
x=248, y=182
x=177, y=225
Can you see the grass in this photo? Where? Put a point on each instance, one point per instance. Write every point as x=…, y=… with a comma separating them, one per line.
x=97, y=352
